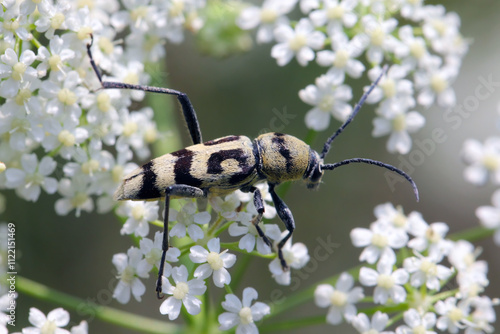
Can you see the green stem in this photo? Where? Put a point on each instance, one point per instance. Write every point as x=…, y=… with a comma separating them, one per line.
x=91, y=309
x=473, y=234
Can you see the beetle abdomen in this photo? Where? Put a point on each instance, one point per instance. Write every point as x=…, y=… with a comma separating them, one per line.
x=218, y=166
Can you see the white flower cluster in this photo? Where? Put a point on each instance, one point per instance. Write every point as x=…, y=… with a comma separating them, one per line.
x=418, y=284
x=58, y=134
x=421, y=43
x=198, y=236
x=53, y=322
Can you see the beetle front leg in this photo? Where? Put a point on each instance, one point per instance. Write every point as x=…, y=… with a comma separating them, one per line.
x=180, y=190
x=287, y=218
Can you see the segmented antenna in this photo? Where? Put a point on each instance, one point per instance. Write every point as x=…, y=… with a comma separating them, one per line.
x=376, y=163
x=358, y=106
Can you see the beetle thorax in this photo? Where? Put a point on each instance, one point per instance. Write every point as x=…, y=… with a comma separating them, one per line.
x=282, y=157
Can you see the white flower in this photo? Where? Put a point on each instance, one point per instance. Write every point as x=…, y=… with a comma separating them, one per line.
x=75, y=196
x=56, y=59
x=152, y=253
x=489, y=216
x=183, y=292
x=482, y=316
x=269, y=209
x=379, y=241
x=188, y=219
x=267, y=18
x=296, y=257
x=343, y=57
x=435, y=83
x=214, y=262
x=337, y=14
x=82, y=328
x=299, y=42
x=376, y=326
x=51, y=323
x=139, y=214
x=340, y=299
x=388, y=214
x=483, y=160
x=452, y=314
x=52, y=17
x=33, y=175
x=251, y=237
x=128, y=273
x=227, y=206
x=394, y=91
x=387, y=283
x=17, y=70
x=430, y=237
x=378, y=33
x=417, y=323
x=329, y=98
x=416, y=52
x=472, y=274
x=425, y=270
x=242, y=313
x=398, y=124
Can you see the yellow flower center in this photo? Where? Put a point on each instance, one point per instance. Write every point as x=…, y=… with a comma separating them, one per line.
x=85, y=3
x=138, y=212
x=67, y=97
x=22, y=96
x=11, y=25
x=131, y=78
x=176, y=8
x=326, y=103
x=438, y=83
x=428, y=267
x=377, y=36
x=79, y=199
x=139, y=13
x=66, y=138
x=103, y=102
x=49, y=327
x=341, y=58
x=150, y=135
x=338, y=298
x=298, y=42
x=129, y=128
x=153, y=256
x=268, y=15
x=417, y=49
x=399, y=122
x=84, y=32
x=105, y=45
x=389, y=87
x=89, y=167
x=181, y=290
x=55, y=63
x=214, y=260
x=127, y=275
x=491, y=162
x=18, y=71
x=336, y=12
x=246, y=315
x=419, y=330
x=400, y=219
x=379, y=240
x=117, y=173
x=57, y=20
x=385, y=281
x=432, y=236
x=455, y=314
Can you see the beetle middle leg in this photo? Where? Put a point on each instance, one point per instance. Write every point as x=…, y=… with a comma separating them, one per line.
x=287, y=218
x=180, y=190
x=259, y=205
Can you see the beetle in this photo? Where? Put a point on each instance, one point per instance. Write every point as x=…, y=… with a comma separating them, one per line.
x=221, y=166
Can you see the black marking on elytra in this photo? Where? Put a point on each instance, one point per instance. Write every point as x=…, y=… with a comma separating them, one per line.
x=148, y=188
x=222, y=140
x=182, y=168
x=283, y=150
x=216, y=158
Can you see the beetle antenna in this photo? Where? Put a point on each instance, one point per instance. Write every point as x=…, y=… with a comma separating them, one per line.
x=358, y=106
x=376, y=163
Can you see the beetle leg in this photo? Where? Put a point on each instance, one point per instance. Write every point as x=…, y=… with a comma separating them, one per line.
x=259, y=205
x=180, y=190
x=287, y=218
x=187, y=108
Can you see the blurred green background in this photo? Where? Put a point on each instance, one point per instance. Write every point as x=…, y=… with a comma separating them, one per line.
x=237, y=95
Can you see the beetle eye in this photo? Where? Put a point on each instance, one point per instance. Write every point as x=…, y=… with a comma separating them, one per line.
x=315, y=178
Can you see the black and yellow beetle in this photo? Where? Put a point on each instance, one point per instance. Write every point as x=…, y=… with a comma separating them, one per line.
x=221, y=166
